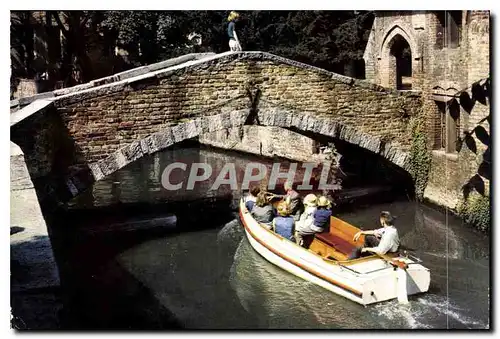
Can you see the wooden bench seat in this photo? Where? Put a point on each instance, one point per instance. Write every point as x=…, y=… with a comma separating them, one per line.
x=340, y=244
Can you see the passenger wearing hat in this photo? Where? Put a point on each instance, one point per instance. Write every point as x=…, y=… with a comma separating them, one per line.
x=234, y=42
x=292, y=198
x=305, y=225
x=323, y=214
x=382, y=240
x=283, y=224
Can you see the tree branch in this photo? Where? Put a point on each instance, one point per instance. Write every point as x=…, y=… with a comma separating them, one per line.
x=84, y=21
x=60, y=24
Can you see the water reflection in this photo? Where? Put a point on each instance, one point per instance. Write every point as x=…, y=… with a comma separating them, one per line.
x=458, y=297
x=281, y=300
x=212, y=278
x=141, y=181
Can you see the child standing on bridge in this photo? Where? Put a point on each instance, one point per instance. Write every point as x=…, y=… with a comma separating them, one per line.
x=234, y=43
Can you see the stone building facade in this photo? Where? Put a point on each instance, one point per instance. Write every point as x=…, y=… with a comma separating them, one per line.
x=440, y=54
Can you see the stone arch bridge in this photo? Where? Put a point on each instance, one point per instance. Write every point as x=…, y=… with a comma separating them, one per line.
x=75, y=136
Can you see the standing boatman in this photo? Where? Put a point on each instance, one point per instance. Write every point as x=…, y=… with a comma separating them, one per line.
x=234, y=43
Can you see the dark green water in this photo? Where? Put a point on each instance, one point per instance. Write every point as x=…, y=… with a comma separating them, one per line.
x=205, y=275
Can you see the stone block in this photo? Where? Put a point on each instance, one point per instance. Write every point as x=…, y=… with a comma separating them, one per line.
x=109, y=165
x=96, y=171
x=265, y=118
x=328, y=128
x=132, y=151
x=297, y=120
x=147, y=145
x=238, y=117
x=162, y=139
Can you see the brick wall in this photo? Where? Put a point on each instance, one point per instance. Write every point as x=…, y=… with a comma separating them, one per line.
x=448, y=70
x=263, y=140
x=91, y=132
x=459, y=68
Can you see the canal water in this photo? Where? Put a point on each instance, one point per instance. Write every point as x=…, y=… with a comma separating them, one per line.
x=203, y=274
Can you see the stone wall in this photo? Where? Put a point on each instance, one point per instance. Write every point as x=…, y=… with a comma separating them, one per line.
x=265, y=141
x=437, y=69
x=50, y=152
x=408, y=24
x=469, y=65
x=31, y=96
x=105, y=127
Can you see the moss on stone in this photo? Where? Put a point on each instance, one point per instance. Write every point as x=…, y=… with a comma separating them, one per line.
x=420, y=157
x=475, y=211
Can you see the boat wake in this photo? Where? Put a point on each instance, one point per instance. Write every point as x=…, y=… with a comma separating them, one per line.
x=452, y=311
x=231, y=234
x=417, y=313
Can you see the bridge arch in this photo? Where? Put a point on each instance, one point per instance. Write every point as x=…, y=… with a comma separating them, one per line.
x=276, y=117
x=103, y=126
x=82, y=179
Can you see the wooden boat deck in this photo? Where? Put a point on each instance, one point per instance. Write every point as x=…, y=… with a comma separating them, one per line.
x=365, y=280
x=336, y=245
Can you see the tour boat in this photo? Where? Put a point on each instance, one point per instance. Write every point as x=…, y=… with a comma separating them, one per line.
x=365, y=280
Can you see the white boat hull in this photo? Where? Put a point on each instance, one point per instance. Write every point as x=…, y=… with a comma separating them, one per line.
x=365, y=282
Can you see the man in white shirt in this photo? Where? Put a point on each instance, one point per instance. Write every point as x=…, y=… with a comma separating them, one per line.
x=382, y=240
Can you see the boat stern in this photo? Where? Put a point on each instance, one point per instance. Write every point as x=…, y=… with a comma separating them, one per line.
x=384, y=287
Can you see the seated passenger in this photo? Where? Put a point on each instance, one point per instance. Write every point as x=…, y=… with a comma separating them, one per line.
x=293, y=200
x=382, y=240
x=323, y=214
x=305, y=225
x=283, y=224
x=251, y=197
x=262, y=211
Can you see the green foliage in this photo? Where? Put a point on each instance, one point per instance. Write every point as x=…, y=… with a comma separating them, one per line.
x=475, y=207
x=420, y=158
x=480, y=92
x=475, y=211
x=326, y=39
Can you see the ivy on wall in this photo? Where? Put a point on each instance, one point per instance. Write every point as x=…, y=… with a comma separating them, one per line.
x=475, y=211
x=475, y=206
x=420, y=157
x=480, y=92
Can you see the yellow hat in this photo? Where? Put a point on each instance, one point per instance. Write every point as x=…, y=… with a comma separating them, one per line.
x=323, y=202
x=310, y=200
x=282, y=209
x=233, y=15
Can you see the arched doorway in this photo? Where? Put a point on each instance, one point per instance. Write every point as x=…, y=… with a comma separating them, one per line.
x=400, y=65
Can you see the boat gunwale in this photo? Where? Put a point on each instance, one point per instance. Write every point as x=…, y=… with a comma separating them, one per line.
x=295, y=262
x=308, y=266
x=329, y=261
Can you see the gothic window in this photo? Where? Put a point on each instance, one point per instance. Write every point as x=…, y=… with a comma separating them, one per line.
x=447, y=130
x=448, y=29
